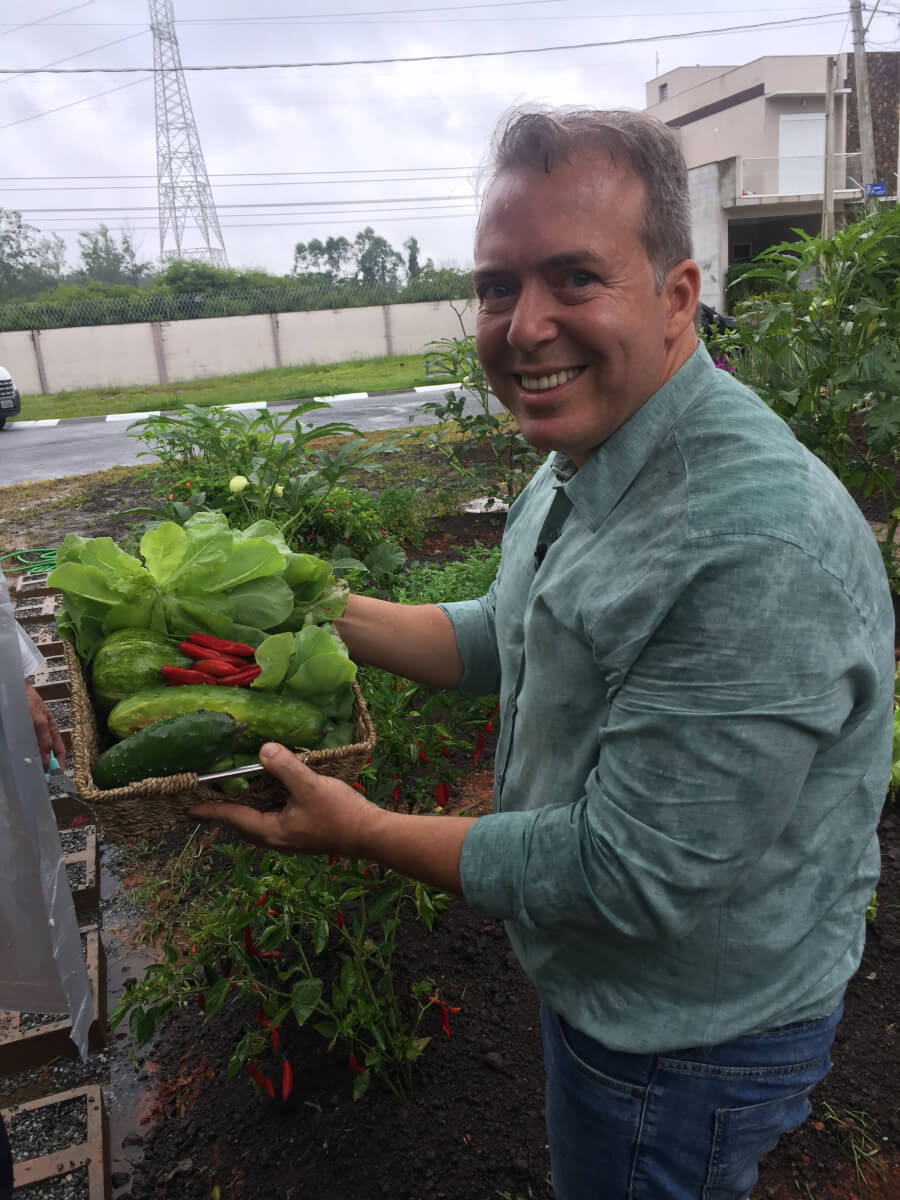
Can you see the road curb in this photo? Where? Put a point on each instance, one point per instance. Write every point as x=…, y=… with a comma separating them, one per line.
x=50, y=422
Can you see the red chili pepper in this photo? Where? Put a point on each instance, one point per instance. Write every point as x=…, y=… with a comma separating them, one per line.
x=423, y=757
x=201, y=1002
x=260, y=1080
x=241, y=649
x=395, y=794
x=204, y=652
x=177, y=676
x=217, y=667
x=276, y=1037
x=340, y=920
x=249, y=946
x=287, y=1079
x=240, y=678
x=263, y=898
x=479, y=747
x=261, y=1019
x=354, y=1065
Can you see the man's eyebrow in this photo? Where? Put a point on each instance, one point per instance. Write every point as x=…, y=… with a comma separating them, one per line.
x=556, y=262
x=575, y=258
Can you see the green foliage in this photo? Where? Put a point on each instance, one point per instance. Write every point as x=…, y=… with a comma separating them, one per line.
x=489, y=452
x=429, y=583
x=270, y=466
x=104, y=261
x=824, y=352
x=28, y=263
x=258, y=932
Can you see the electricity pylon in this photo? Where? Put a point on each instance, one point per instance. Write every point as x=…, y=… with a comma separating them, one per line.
x=188, y=221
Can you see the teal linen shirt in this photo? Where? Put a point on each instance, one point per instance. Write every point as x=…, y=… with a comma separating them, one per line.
x=696, y=716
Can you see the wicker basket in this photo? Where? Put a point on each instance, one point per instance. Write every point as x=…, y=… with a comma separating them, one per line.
x=153, y=808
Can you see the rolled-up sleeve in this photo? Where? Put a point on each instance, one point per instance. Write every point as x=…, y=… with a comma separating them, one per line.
x=473, y=624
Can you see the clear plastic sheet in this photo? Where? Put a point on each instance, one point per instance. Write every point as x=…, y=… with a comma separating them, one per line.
x=42, y=968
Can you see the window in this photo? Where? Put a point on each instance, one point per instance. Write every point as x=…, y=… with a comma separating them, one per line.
x=742, y=252
x=663, y=91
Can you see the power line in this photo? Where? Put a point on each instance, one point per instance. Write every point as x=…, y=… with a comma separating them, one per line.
x=361, y=62
x=300, y=224
x=42, y=20
x=116, y=42
x=143, y=187
x=377, y=12
x=235, y=174
x=72, y=103
x=254, y=204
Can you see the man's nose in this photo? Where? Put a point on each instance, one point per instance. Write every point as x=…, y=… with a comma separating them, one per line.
x=533, y=319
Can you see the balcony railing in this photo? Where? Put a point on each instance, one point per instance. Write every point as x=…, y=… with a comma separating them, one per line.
x=797, y=175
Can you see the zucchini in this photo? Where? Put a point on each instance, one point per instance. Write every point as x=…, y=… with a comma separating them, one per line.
x=188, y=742
x=266, y=717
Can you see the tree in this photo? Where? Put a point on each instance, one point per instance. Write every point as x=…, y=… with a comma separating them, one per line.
x=103, y=261
x=28, y=263
x=411, y=246
x=377, y=262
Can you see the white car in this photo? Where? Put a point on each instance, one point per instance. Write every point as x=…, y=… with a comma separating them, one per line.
x=10, y=402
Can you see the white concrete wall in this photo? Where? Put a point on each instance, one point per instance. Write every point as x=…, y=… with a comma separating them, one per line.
x=17, y=355
x=216, y=346
x=123, y=355
x=331, y=335
x=114, y=355
x=710, y=232
x=414, y=325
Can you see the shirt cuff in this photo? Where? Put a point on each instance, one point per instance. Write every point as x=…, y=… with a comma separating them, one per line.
x=472, y=622
x=490, y=864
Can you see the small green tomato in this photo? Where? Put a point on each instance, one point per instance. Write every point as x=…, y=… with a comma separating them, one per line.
x=237, y=483
x=278, y=489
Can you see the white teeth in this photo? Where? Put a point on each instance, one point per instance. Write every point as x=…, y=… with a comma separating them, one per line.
x=543, y=383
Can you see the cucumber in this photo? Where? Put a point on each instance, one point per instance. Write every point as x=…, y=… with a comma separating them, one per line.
x=266, y=717
x=128, y=661
x=189, y=742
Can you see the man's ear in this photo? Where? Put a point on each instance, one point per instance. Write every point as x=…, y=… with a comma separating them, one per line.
x=682, y=292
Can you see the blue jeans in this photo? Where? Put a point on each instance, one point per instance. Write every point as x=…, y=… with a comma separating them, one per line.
x=685, y=1126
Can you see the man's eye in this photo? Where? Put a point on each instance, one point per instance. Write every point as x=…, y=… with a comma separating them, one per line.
x=580, y=279
x=495, y=291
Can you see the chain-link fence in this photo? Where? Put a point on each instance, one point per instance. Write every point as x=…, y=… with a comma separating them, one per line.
x=131, y=305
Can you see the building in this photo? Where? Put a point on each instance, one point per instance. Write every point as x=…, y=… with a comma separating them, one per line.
x=753, y=137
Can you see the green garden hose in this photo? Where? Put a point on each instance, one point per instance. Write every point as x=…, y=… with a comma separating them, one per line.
x=32, y=562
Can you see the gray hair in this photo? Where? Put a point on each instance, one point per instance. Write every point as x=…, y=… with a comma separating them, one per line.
x=539, y=139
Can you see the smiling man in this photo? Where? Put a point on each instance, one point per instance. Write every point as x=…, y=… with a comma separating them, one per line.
x=691, y=634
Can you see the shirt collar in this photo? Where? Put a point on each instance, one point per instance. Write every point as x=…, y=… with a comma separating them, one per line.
x=597, y=486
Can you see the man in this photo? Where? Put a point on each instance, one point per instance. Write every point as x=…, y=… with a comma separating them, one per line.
x=691, y=634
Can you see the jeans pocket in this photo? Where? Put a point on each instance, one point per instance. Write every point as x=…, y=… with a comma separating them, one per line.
x=580, y=1050
x=743, y=1135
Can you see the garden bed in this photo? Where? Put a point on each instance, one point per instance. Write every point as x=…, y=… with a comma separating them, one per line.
x=475, y=1128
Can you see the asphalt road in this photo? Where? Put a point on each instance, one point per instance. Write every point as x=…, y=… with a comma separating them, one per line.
x=36, y=450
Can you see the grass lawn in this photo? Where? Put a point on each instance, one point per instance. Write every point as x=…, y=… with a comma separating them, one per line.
x=284, y=383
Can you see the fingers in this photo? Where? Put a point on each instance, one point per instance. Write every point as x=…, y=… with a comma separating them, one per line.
x=286, y=766
x=257, y=827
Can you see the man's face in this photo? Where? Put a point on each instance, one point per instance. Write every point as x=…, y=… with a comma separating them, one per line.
x=571, y=331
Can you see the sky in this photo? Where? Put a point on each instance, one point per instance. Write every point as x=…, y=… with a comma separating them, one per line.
x=295, y=152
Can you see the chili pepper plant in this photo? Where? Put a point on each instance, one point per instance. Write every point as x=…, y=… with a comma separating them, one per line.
x=260, y=932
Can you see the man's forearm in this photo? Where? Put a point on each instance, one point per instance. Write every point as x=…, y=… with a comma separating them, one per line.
x=416, y=641
x=427, y=848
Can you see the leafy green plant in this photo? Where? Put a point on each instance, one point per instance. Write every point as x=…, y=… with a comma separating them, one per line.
x=260, y=934
x=824, y=352
x=272, y=467
x=488, y=450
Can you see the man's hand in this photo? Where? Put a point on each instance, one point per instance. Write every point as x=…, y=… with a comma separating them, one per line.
x=324, y=816
x=45, y=727
x=320, y=816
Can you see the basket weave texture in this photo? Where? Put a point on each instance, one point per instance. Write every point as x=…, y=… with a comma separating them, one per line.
x=152, y=808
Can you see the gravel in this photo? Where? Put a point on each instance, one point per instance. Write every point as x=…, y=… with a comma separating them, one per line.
x=74, y=1186
x=38, y=1131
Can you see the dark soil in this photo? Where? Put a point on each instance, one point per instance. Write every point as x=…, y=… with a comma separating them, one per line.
x=475, y=1129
